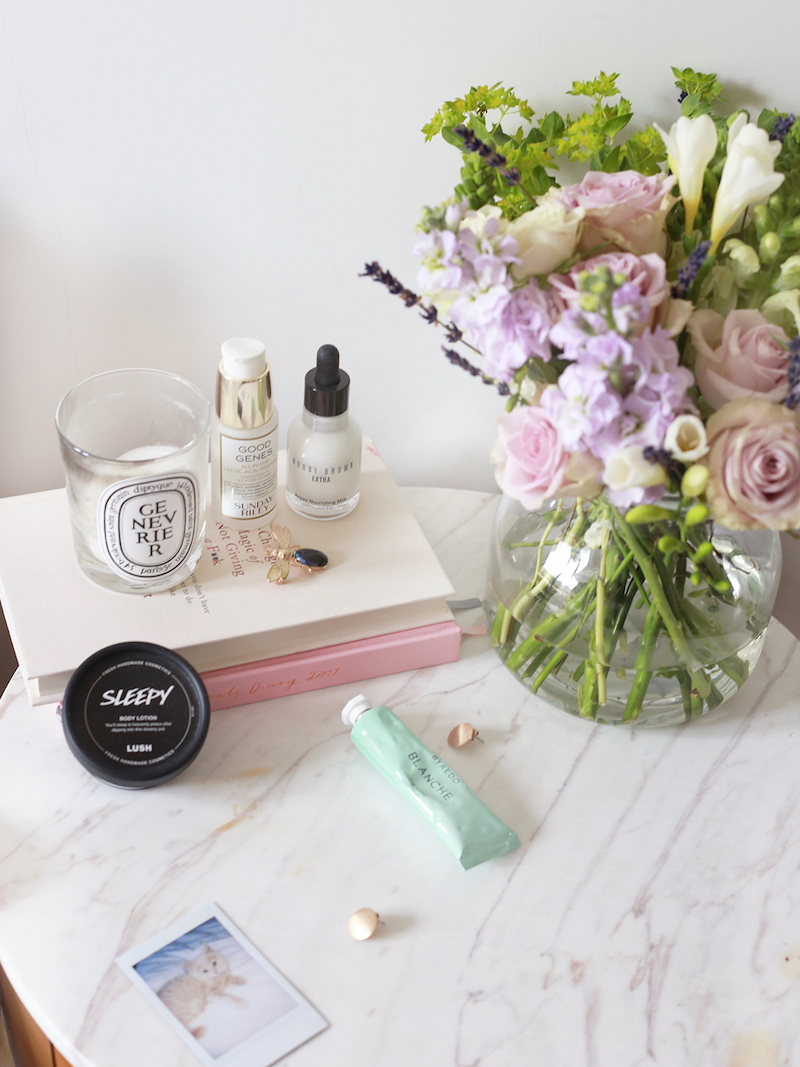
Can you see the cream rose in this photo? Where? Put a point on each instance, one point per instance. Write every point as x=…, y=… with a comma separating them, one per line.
x=741, y=355
x=754, y=466
x=546, y=236
x=780, y=306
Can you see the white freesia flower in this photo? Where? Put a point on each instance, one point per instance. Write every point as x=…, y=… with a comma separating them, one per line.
x=596, y=532
x=690, y=144
x=744, y=259
x=628, y=469
x=546, y=236
x=789, y=277
x=748, y=176
x=775, y=308
x=531, y=391
x=686, y=439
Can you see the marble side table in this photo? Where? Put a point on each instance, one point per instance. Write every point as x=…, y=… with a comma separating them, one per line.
x=651, y=916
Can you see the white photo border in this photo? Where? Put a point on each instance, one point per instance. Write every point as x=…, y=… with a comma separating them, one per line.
x=262, y=1048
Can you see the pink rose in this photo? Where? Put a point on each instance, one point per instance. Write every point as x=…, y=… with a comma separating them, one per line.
x=648, y=273
x=754, y=466
x=627, y=208
x=533, y=465
x=738, y=356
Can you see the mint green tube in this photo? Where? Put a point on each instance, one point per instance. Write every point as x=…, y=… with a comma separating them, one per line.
x=470, y=830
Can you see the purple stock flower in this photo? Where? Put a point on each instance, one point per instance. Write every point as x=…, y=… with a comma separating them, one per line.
x=629, y=308
x=508, y=327
x=574, y=330
x=619, y=392
x=520, y=331
x=443, y=263
x=583, y=405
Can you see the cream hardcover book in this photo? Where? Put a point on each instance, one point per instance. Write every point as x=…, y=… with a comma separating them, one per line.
x=383, y=577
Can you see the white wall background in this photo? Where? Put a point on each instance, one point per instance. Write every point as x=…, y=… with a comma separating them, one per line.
x=175, y=172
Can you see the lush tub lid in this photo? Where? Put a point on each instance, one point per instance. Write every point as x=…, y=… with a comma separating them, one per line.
x=135, y=714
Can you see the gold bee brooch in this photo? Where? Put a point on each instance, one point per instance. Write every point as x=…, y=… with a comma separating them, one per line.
x=284, y=555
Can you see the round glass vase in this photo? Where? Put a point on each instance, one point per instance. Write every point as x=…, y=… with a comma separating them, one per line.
x=589, y=613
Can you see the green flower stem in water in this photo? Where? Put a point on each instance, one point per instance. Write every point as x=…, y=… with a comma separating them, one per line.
x=515, y=612
x=581, y=607
x=692, y=704
x=553, y=666
x=546, y=630
x=660, y=598
x=641, y=679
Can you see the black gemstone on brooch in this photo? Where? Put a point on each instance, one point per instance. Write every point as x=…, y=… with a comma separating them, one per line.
x=311, y=557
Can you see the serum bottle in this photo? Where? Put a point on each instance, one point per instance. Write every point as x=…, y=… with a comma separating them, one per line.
x=323, y=447
x=244, y=438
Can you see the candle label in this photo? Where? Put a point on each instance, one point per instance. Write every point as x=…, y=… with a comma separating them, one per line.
x=147, y=526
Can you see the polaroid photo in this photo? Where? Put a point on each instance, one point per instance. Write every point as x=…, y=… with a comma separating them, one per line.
x=219, y=993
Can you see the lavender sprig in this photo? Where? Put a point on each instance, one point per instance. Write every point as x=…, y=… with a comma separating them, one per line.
x=459, y=361
x=674, y=468
x=689, y=271
x=473, y=143
x=783, y=123
x=430, y=315
x=411, y=299
x=395, y=287
x=792, y=398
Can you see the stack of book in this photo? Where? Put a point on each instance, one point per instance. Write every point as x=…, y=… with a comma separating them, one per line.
x=379, y=607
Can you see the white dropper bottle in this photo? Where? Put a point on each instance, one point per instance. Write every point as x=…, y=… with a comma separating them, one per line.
x=323, y=446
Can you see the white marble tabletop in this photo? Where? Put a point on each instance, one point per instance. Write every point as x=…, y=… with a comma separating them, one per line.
x=651, y=916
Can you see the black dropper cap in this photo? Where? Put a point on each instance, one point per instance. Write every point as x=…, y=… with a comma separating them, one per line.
x=327, y=387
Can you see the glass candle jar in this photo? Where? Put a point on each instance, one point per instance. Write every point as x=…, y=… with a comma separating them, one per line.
x=135, y=449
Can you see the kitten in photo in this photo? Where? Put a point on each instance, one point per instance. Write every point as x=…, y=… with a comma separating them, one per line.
x=207, y=976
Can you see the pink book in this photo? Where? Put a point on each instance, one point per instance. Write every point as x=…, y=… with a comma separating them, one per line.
x=353, y=661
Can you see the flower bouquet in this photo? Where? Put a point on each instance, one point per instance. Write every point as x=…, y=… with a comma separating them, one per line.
x=643, y=325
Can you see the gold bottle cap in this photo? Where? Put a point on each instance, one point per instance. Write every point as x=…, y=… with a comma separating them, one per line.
x=244, y=389
x=462, y=735
x=363, y=924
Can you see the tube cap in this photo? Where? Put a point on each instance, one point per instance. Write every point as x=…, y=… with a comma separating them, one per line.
x=327, y=386
x=355, y=708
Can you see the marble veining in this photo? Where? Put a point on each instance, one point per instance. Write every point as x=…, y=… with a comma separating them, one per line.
x=651, y=916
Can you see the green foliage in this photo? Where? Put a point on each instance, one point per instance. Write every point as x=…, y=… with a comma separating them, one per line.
x=644, y=151
x=534, y=148
x=602, y=86
x=479, y=182
x=476, y=103
x=506, y=123
x=702, y=91
x=590, y=137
